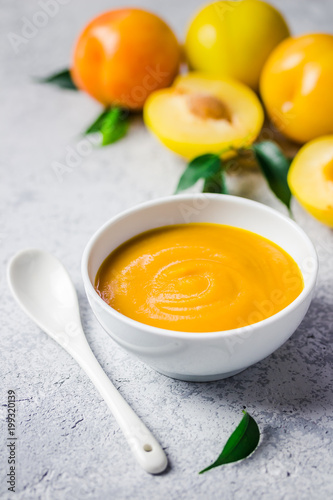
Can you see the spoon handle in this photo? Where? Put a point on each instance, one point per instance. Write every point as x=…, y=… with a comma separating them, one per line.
x=147, y=451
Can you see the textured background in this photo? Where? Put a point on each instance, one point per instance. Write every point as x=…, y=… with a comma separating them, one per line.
x=69, y=444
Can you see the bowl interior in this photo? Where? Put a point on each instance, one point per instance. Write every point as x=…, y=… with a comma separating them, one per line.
x=221, y=209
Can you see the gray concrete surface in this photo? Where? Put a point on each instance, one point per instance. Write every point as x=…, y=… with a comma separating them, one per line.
x=69, y=446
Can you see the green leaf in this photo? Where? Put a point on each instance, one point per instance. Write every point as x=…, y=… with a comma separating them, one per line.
x=242, y=442
x=62, y=79
x=216, y=183
x=274, y=165
x=202, y=167
x=96, y=125
x=112, y=124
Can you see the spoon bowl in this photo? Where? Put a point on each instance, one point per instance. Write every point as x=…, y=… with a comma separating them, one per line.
x=43, y=288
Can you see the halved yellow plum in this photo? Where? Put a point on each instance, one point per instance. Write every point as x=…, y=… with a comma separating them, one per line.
x=310, y=178
x=204, y=114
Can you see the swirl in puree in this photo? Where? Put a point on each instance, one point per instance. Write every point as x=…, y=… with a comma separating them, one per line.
x=199, y=277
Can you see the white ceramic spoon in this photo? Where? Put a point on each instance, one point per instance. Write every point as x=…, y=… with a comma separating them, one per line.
x=44, y=290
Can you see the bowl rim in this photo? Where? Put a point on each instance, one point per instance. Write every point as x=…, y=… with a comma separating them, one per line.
x=89, y=288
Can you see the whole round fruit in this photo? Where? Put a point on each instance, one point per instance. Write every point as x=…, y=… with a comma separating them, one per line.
x=234, y=39
x=123, y=55
x=201, y=114
x=296, y=86
x=310, y=178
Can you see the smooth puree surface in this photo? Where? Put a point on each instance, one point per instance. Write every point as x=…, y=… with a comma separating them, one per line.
x=198, y=277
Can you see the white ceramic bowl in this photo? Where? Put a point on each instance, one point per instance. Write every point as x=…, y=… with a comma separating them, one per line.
x=212, y=355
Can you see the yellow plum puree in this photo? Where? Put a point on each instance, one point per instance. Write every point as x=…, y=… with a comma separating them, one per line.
x=199, y=277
